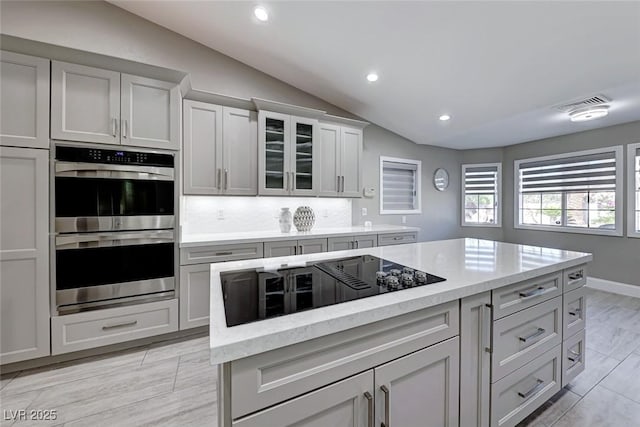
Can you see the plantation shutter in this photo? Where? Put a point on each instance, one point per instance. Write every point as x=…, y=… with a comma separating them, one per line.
x=580, y=173
x=481, y=180
x=399, y=185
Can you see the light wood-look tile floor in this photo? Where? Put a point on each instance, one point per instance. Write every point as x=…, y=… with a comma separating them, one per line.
x=172, y=383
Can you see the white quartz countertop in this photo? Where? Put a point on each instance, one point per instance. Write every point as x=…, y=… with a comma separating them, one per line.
x=470, y=266
x=205, y=239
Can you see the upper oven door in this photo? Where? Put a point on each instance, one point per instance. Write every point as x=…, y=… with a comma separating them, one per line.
x=105, y=197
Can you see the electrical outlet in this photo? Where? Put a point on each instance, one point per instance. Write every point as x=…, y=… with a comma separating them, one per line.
x=325, y=213
x=364, y=211
x=220, y=214
x=404, y=219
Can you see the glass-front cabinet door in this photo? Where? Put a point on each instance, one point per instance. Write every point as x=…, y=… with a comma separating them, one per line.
x=304, y=160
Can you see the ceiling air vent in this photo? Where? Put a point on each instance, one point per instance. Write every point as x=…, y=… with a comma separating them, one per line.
x=588, y=102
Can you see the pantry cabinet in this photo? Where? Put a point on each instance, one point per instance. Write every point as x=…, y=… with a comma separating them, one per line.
x=341, y=161
x=94, y=105
x=24, y=97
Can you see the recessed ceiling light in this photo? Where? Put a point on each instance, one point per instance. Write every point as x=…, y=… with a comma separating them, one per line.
x=372, y=77
x=261, y=13
x=445, y=117
x=589, y=113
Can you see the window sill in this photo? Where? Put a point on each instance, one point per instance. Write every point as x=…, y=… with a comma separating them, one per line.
x=468, y=224
x=594, y=231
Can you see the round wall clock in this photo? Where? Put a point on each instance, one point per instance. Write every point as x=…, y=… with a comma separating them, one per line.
x=441, y=179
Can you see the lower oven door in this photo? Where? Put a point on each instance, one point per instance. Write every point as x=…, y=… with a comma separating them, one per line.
x=94, y=270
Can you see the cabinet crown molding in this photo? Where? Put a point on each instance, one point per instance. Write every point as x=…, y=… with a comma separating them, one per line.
x=294, y=110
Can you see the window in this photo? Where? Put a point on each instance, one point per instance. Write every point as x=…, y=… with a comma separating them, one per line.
x=633, y=183
x=482, y=195
x=575, y=192
x=399, y=186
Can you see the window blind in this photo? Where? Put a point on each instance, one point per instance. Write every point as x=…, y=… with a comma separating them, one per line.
x=579, y=173
x=399, y=186
x=481, y=180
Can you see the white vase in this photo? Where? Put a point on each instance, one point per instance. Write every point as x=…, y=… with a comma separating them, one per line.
x=304, y=218
x=285, y=220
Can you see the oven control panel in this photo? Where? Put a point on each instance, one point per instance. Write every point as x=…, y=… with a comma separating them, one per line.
x=123, y=157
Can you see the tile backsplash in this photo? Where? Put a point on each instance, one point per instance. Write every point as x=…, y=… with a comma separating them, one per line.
x=210, y=214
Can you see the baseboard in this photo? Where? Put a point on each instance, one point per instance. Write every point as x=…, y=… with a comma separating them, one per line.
x=614, y=287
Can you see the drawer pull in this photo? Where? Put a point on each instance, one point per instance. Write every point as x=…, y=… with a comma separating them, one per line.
x=385, y=391
x=575, y=312
x=370, y=414
x=224, y=253
x=119, y=325
x=573, y=356
x=536, y=334
x=398, y=238
x=576, y=276
x=533, y=390
x=536, y=292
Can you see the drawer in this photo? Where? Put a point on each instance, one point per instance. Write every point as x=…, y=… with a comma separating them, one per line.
x=573, y=354
x=397, y=238
x=575, y=277
x=265, y=379
x=113, y=325
x=574, y=312
x=521, y=295
x=221, y=253
x=523, y=336
x=519, y=394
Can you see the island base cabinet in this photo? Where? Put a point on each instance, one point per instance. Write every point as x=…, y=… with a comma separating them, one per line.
x=194, y=295
x=420, y=389
x=347, y=403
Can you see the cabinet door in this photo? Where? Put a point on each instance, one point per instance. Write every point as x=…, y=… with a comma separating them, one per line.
x=150, y=113
x=304, y=156
x=281, y=248
x=240, y=151
x=312, y=246
x=366, y=241
x=202, y=148
x=341, y=243
x=329, y=139
x=194, y=295
x=342, y=404
x=24, y=94
x=85, y=103
x=420, y=389
x=273, y=154
x=24, y=254
x=351, y=162
x=475, y=360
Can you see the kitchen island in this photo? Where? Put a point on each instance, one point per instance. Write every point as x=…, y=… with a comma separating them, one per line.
x=498, y=326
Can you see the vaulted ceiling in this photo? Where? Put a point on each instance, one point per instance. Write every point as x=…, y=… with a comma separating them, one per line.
x=499, y=69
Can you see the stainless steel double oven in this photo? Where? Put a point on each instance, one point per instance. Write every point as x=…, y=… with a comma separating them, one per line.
x=114, y=213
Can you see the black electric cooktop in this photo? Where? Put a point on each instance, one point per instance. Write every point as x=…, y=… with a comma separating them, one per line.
x=252, y=295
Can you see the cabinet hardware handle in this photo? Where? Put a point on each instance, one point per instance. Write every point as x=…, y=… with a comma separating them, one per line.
x=370, y=415
x=124, y=128
x=224, y=253
x=342, y=191
x=398, y=238
x=114, y=127
x=301, y=250
x=573, y=356
x=385, y=391
x=533, y=390
x=226, y=179
x=357, y=244
x=337, y=183
x=576, y=275
x=575, y=312
x=535, y=292
x=119, y=325
x=486, y=328
x=536, y=334
x=286, y=181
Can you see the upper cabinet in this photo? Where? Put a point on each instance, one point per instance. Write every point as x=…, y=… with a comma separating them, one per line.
x=95, y=105
x=340, y=160
x=287, y=155
x=220, y=150
x=24, y=96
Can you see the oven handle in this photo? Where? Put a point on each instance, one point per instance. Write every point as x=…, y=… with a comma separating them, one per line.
x=92, y=170
x=97, y=240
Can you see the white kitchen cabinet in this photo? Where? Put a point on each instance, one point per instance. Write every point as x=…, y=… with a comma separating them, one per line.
x=389, y=239
x=343, y=243
x=95, y=105
x=420, y=388
x=347, y=403
x=287, y=155
x=341, y=161
x=220, y=150
x=475, y=360
x=294, y=247
x=24, y=97
x=194, y=295
x=24, y=254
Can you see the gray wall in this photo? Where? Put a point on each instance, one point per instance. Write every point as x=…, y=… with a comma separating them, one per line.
x=104, y=29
